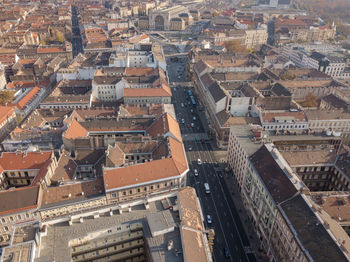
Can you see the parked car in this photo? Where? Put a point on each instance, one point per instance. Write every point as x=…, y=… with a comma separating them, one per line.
x=226, y=252
x=209, y=219
x=195, y=172
x=199, y=162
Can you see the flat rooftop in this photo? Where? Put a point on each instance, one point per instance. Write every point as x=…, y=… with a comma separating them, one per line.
x=310, y=158
x=55, y=246
x=244, y=135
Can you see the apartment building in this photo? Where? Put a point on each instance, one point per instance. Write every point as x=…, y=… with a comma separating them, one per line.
x=254, y=38
x=8, y=120
x=24, y=169
x=272, y=189
x=18, y=206
x=25, y=101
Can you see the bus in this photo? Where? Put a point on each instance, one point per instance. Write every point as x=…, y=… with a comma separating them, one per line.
x=193, y=101
x=207, y=188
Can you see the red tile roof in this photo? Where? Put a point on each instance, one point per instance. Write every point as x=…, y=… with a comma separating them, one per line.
x=21, y=161
x=75, y=130
x=134, y=71
x=27, y=98
x=147, y=92
x=164, y=124
x=51, y=50
x=5, y=112
x=148, y=172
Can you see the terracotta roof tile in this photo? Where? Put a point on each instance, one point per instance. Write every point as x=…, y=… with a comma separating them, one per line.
x=75, y=130
x=27, y=98
x=19, y=161
x=5, y=112
x=164, y=124
x=50, y=50
x=146, y=92
x=61, y=193
x=149, y=171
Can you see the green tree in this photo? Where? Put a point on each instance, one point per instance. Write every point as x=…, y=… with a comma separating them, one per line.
x=235, y=46
x=60, y=37
x=6, y=97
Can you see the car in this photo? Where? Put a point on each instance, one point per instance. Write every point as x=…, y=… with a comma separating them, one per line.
x=194, y=118
x=192, y=124
x=195, y=172
x=190, y=148
x=209, y=219
x=188, y=125
x=199, y=161
x=182, y=104
x=226, y=252
x=183, y=121
x=191, y=110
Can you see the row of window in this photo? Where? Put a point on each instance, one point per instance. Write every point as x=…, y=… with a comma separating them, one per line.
x=19, y=217
x=145, y=189
x=273, y=127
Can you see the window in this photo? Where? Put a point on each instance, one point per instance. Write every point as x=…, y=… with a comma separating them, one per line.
x=114, y=195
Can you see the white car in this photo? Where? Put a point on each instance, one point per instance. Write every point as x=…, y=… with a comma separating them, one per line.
x=199, y=162
x=195, y=172
x=190, y=148
x=192, y=124
x=209, y=219
x=194, y=118
x=183, y=121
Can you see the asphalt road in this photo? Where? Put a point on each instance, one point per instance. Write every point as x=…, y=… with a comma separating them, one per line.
x=229, y=232
x=77, y=44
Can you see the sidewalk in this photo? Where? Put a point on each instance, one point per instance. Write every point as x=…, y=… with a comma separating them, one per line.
x=221, y=158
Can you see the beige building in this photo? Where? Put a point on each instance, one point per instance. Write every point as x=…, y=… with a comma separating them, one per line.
x=17, y=206
x=24, y=169
x=274, y=181
x=143, y=23
x=8, y=120
x=254, y=38
x=177, y=24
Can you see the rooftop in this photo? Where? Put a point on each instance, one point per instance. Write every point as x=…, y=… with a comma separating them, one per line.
x=24, y=198
x=274, y=178
x=310, y=158
x=311, y=232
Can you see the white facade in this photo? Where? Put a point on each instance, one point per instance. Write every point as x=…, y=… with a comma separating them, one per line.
x=240, y=106
x=109, y=92
x=86, y=73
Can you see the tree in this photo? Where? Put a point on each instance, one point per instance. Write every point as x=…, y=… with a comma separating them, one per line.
x=235, y=46
x=60, y=37
x=6, y=97
x=310, y=101
x=287, y=75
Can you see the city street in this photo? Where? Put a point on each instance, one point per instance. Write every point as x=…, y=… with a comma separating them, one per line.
x=77, y=44
x=225, y=220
